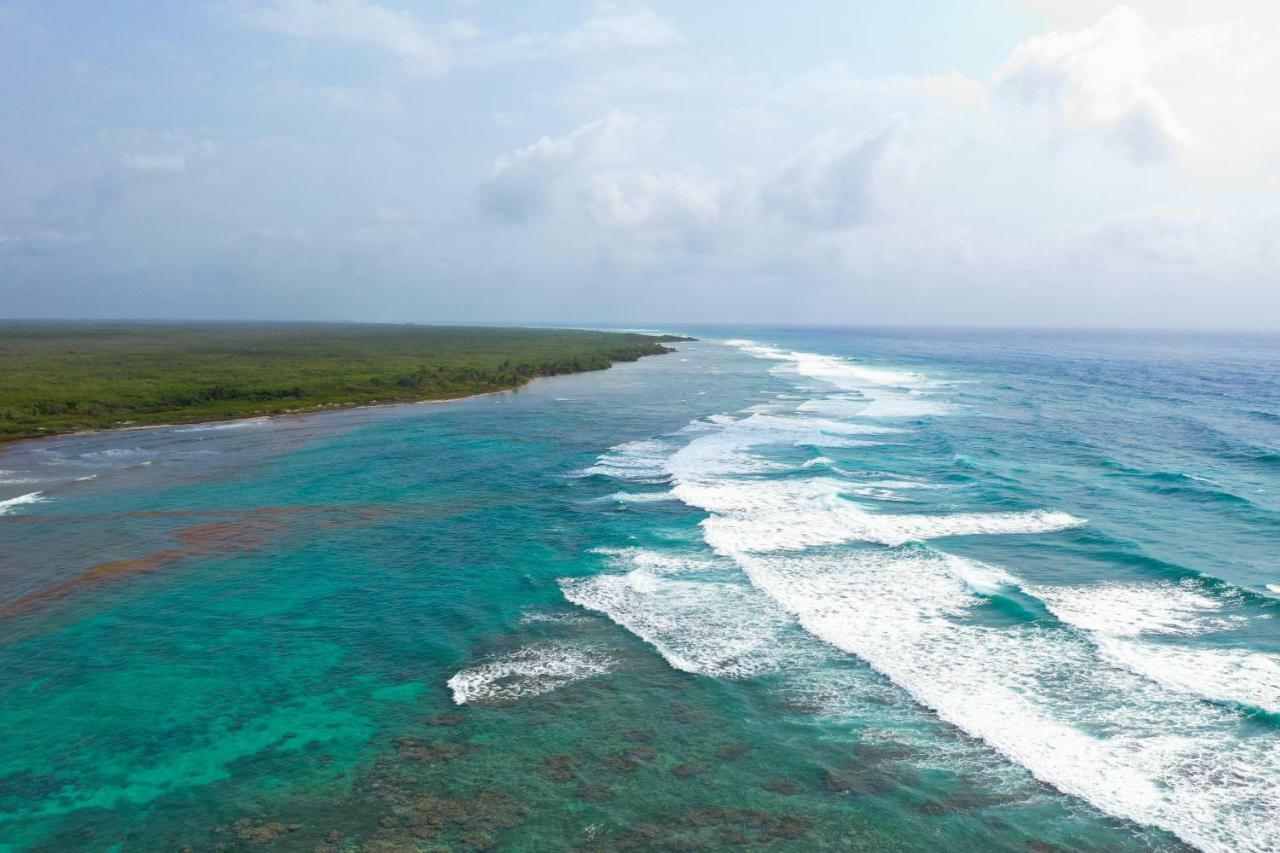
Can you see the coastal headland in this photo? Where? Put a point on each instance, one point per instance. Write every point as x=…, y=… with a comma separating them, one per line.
x=69, y=377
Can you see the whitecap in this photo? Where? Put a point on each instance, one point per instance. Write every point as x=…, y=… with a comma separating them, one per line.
x=1130, y=609
x=227, y=425
x=530, y=671
x=639, y=497
x=660, y=562
x=8, y=506
x=793, y=514
x=1040, y=695
x=1224, y=675
x=538, y=617
x=633, y=460
x=721, y=629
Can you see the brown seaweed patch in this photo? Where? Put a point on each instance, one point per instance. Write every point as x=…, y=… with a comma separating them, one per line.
x=623, y=762
x=212, y=537
x=689, y=770
x=860, y=779
x=732, y=752
x=594, y=792
x=560, y=767
x=786, y=787
x=471, y=822
x=238, y=531
x=412, y=749
x=708, y=828
x=682, y=714
x=263, y=833
x=965, y=802
x=258, y=832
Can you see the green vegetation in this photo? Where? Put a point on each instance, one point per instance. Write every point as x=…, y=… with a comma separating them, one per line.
x=59, y=378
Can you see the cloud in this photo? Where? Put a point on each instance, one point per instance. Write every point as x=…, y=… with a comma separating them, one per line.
x=40, y=241
x=426, y=51
x=155, y=164
x=370, y=100
x=831, y=182
x=1096, y=82
x=613, y=27
x=401, y=35
x=1205, y=243
x=156, y=155
x=519, y=186
x=665, y=209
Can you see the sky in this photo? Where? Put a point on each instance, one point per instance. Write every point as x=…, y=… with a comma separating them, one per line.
x=994, y=162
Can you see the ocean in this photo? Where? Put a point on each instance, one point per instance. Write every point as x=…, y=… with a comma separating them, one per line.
x=803, y=589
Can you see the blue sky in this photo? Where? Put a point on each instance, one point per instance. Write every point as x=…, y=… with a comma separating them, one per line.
x=1002, y=162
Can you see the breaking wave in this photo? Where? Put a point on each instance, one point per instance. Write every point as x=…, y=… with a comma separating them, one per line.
x=530, y=671
x=1097, y=698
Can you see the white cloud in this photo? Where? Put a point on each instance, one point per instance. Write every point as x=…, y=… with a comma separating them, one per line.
x=518, y=188
x=151, y=156
x=431, y=51
x=613, y=27
x=1098, y=82
x=372, y=100
x=398, y=34
x=831, y=182
x=666, y=209
x=39, y=241
x=1203, y=242
x=155, y=164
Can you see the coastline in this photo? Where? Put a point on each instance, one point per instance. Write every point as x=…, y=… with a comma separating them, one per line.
x=7, y=442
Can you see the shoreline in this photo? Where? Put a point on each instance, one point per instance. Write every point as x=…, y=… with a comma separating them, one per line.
x=9, y=442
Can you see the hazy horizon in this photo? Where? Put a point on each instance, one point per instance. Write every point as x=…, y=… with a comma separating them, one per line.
x=1022, y=164
x=658, y=326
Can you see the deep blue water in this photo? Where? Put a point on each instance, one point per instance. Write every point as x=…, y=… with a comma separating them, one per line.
x=797, y=589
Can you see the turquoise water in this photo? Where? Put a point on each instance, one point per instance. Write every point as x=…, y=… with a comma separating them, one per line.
x=858, y=589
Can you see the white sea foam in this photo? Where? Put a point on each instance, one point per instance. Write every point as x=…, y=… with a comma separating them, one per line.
x=640, y=497
x=552, y=617
x=696, y=611
x=792, y=514
x=725, y=630
x=981, y=578
x=723, y=445
x=841, y=372
x=659, y=562
x=220, y=427
x=633, y=460
x=1119, y=615
x=1130, y=609
x=1131, y=736
x=890, y=406
x=8, y=506
x=114, y=454
x=770, y=423
x=1224, y=675
x=872, y=402
x=19, y=481
x=530, y=671
x=1040, y=696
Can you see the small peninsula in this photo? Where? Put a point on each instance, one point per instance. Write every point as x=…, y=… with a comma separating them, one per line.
x=67, y=377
